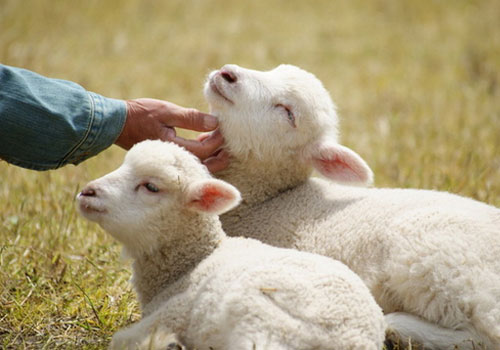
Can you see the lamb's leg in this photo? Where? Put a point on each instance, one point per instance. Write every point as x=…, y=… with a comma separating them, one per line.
x=402, y=327
x=147, y=334
x=441, y=280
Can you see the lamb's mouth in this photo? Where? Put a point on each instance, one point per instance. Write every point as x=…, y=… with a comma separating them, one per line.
x=215, y=89
x=91, y=209
x=87, y=208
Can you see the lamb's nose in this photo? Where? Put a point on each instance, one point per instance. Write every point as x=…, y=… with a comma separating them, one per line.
x=228, y=75
x=88, y=192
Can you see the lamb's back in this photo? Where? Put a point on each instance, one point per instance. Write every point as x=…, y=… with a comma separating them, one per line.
x=369, y=228
x=306, y=300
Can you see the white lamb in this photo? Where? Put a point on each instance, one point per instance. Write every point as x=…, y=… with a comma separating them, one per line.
x=212, y=291
x=431, y=259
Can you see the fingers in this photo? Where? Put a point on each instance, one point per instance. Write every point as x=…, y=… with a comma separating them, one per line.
x=192, y=119
x=218, y=162
x=156, y=119
x=202, y=149
x=203, y=136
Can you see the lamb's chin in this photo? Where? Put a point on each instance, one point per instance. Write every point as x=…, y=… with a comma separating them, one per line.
x=218, y=105
x=215, y=102
x=91, y=213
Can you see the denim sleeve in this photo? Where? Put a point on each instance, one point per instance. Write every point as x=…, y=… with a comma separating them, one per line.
x=47, y=123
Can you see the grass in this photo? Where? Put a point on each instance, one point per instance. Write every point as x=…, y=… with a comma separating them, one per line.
x=416, y=82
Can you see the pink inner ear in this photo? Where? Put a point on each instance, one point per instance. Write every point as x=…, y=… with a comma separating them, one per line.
x=339, y=168
x=210, y=196
x=341, y=164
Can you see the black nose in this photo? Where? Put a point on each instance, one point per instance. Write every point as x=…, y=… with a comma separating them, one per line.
x=228, y=76
x=88, y=191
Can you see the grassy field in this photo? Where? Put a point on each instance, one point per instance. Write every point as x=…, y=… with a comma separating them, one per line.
x=417, y=84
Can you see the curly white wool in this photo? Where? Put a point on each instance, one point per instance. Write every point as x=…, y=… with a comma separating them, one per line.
x=432, y=255
x=209, y=291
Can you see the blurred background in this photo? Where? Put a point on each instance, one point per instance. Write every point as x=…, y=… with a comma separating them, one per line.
x=416, y=84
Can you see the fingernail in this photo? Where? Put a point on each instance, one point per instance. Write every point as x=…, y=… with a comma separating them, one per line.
x=210, y=122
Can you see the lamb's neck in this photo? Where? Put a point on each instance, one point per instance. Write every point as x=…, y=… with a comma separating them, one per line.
x=259, y=181
x=187, y=243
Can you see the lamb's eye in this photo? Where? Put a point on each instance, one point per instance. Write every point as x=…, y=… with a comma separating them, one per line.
x=290, y=116
x=151, y=187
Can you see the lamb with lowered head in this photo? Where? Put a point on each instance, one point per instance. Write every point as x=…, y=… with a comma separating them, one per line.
x=431, y=259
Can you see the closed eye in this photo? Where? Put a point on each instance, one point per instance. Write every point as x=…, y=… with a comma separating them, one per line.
x=289, y=114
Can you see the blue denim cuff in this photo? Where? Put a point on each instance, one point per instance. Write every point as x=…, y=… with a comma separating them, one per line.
x=107, y=118
x=47, y=123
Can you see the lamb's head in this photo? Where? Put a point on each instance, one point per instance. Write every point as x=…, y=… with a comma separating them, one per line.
x=282, y=113
x=159, y=188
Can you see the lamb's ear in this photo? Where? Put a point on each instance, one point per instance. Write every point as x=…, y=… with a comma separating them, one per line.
x=212, y=196
x=339, y=163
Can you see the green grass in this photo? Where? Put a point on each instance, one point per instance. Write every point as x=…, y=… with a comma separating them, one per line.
x=416, y=82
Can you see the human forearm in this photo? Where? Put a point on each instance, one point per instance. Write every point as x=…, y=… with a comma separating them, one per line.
x=47, y=123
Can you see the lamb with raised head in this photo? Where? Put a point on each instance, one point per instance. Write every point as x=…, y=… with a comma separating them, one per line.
x=212, y=291
x=431, y=259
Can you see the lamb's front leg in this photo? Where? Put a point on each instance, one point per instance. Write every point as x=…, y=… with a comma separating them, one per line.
x=147, y=334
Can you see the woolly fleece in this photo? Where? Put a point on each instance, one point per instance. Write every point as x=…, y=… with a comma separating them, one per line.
x=208, y=291
x=433, y=256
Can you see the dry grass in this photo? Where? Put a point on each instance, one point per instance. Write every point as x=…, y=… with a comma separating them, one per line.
x=417, y=84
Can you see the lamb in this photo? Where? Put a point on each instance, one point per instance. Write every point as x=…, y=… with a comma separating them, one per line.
x=431, y=259
x=199, y=288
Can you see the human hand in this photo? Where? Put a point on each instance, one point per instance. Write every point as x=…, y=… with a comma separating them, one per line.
x=156, y=119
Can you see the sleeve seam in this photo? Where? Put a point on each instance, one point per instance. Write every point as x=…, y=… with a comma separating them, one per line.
x=123, y=124
x=68, y=155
